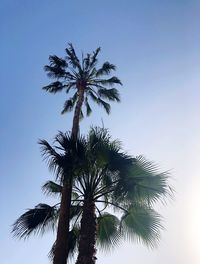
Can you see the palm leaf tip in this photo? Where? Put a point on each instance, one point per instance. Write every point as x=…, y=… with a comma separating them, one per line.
x=111, y=81
x=155, y=182
x=105, y=105
x=88, y=108
x=72, y=57
x=93, y=59
x=143, y=182
x=51, y=188
x=56, y=61
x=110, y=94
x=69, y=104
x=54, y=71
x=54, y=87
x=116, y=80
x=105, y=69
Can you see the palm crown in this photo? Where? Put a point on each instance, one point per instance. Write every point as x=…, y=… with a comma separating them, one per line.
x=103, y=174
x=82, y=76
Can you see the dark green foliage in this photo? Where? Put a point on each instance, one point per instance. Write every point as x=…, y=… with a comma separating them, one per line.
x=142, y=181
x=36, y=220
x=65, y=158
x=108, y=231
x=107, y=176
x=72, y=73
x=142, y=223
x=51, y=188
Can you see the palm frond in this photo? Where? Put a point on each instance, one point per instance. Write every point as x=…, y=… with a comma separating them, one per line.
x=54, y=160
x=108, y=231
x=105, y=69
x=105, y=105
x=142, y=224
x=37, y=220
x=152, y=181
x=88, y=108
x=72, y=57
x=86, y=62
x=81, y=115
x=53, y=72
x=65, y=141
x=57, y=67
x=98, y=139
x=69, y=104
x=75, y=148
x=106, y=150
x=75, y=211
x=51, y=188
x=92, y=96
x=74, y=154
x=55, y=61
x=93, y=59
x=54, y=87
x=143, y=182
x=108, y=82
x=75, y=195
x=109, y=94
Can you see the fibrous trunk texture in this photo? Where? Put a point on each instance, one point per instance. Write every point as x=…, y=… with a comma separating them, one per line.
x=62, y=241
x=87, y=250
x=75, y=128
x=61, y=247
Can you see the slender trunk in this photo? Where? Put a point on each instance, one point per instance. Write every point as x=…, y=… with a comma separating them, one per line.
x=75, y=128
x=61, y=247
x=62, y=241
x=87, y=250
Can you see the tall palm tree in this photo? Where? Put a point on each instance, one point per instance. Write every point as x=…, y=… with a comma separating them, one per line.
x=88, y=82
x=102, y=178
x=84, y=80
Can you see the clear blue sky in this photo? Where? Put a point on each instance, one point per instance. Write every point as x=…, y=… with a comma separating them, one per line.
x=156, y=47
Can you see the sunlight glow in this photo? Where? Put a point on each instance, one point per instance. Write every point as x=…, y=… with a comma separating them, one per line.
x=192, y=221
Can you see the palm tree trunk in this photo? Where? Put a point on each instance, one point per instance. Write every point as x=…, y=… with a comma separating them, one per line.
x=62, y=241
x=87, y=250
x=61, y=247
x=75, y=127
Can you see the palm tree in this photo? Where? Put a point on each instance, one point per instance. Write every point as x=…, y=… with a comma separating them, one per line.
x=102, y=178
x=88, y=82
x=85, y=81
x=121, y=183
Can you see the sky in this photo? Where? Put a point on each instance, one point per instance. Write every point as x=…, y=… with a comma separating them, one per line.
x=156, y=47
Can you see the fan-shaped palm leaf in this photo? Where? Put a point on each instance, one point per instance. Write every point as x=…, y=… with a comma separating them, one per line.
x=141, y=223
x=36, y=220
x=142, y=181
x=108, y=231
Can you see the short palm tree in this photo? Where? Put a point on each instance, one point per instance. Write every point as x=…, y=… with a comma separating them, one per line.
x=121, y=183
x=106, y=176
x=86, y=81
